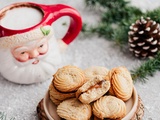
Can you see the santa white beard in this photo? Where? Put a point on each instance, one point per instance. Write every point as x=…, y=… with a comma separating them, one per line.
x=26, y=72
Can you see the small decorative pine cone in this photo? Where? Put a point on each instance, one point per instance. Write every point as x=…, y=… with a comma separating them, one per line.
x=144, y=38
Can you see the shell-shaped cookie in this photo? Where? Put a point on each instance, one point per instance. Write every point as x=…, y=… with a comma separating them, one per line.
x=93, y=71
x=73, y=109
x=57, y=96
x=109, y=107
x=121, y=83
x=69, y=78
x=93, y=89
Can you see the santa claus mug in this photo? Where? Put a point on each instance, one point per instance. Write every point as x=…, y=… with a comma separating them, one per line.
x=29, y=51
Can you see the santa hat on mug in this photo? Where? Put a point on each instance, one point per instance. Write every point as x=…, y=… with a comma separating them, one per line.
x=19, y=39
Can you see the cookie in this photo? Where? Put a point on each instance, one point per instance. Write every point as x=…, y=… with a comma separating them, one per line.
x=121, y=83
x=73, y=109
x=69, y=78
x=93, y=89
x=109, y=107
x=57, y=97
x=94, y=71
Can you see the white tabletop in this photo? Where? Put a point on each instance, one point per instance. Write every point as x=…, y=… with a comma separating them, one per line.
x=20, y=101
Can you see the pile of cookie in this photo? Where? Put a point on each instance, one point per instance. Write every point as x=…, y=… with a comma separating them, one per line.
x=94, y=93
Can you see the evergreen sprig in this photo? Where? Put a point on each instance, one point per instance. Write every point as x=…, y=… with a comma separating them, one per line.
x=120, y=14
x=3, y=116
x=107, y=4
x=101, y=30
x=117, y=15
x=116, y=18
x=154, y=14
x=147, y=68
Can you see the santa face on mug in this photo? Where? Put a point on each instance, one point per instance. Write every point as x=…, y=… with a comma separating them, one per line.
x=29, y=59
x=29, y=51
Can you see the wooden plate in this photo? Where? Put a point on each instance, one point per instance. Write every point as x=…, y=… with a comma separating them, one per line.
x=131, y=104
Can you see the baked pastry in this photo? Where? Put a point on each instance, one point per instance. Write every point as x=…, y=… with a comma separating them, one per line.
x=93, y=71
x=109, y=107
x=57, y=97
x=121, y=83
x=93, y=89
x=73, y=109
x=69, y=78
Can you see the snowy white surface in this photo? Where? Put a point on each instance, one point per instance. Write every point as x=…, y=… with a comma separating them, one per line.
x=20, y=101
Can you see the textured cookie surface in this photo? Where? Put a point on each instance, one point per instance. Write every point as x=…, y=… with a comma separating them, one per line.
x=69, y=78
x=109, y=107
x=73, y=109
x=57, y=97
x=121, y=83
x=94, y=71
x=93, y=89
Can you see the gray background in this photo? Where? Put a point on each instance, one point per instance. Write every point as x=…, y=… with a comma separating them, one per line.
x=20, y=101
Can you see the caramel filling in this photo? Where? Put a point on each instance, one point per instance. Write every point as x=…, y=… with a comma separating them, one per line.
x=96, y=86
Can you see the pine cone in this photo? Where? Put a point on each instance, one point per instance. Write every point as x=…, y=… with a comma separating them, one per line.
x=144, y=38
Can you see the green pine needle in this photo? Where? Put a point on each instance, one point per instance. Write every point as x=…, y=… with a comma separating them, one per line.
x=119, y=14
x=3, y=116
x=121, y=36
x=148, y=68
x=115, y=20
x=154, y=14
x=107, y=3
x=102, y=29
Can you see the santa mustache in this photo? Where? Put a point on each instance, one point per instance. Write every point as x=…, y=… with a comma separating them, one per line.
x=33, y=61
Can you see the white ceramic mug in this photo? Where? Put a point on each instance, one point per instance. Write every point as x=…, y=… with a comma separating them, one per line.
x=28, y=48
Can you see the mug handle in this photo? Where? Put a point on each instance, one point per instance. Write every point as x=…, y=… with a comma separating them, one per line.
x=54, y=12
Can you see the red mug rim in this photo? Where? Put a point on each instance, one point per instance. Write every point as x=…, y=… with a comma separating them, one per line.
x=39, y=7
x=50, y=14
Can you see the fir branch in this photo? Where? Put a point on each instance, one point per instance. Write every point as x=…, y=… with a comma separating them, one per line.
x=115, y=20
x=154, y=14
x=121, y=36
x=109, y=4
x=102, y=29
x=3, y=116
x=148, y=68
x=117, y=15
